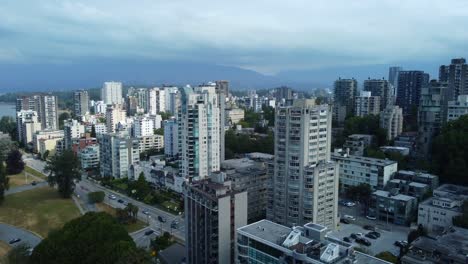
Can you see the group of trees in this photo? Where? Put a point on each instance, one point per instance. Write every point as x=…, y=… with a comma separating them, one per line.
x=403, y=161
x=363, y=125
x=63, y=171
x=8, y=126
x=140, y=188
x=449, y=157
x=128, y=214
x=241, y=143
x=161, y=243
x=91, y=238
x=14, y=165
x=96, y=197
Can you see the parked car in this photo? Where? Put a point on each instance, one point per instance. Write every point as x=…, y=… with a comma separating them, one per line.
x=347, y=239
x=401, y=243
x=15, y=240
x=344, y=221
x=145, y=212
x=350, y=204
x=355, y=236
x=174, y=224
x=112, y=197
x=149, y=232
x=363, y=241
x=120, y=201
x=350, y=217
x=370, y=235
x=33, y=183
x=161, y=219
x=377, y=234
x=369, y=227
x=371, y=217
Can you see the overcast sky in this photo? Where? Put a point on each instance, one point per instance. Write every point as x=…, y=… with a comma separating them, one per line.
x=268, y=36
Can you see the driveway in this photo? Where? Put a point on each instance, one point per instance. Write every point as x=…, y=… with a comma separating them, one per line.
x=9, y=232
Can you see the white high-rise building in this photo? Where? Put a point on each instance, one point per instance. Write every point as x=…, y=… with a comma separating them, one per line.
x=114, y=115
x=156, y=101
x=304, y=184
x=27, y=125
x=171, y=134
x=170, y=93
x=72, y=129
x=111, y=93
x=366, y=104
x=143, y=126
x=117, y=153
x=81, y=102
x=199, y=135
x=100, y=107
x=49, y=112
x=391, y=119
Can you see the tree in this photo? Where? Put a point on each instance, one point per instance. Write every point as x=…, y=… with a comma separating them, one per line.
x=139, y=188
x=8, y=125
x=18, y=255
x=96, y=197
x=132, y=211
x=387, y=256
x=161, y=242
x=450, y=154
x=462, y=220
x=165, y=115
x=14, y=162
x=4, y=182
x=45, y=155
x=62, y=117
x=63, y=170
x=93, y=131
x=159, y=131
x=91, y=238
x=6, y=146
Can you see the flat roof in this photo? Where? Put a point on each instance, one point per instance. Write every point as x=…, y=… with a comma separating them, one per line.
x=267, y=230
x=400, y=197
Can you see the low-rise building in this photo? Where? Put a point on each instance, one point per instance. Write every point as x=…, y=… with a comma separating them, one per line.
x=393, y=207
x=46, y=135
x=79, y=144
x=457, y=108
x=234, y=115
x=268, y=242
x=436, y=214
x=392, y=149
x=421, y=177
x=406, y=140
x=356, y=170
x=357, y=143
x=415, y=189
x=450, y=247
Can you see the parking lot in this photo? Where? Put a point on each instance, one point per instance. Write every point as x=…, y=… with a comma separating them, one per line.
x=383, y=243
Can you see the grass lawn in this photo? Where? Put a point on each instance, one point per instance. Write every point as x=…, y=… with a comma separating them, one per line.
x=18, y=180
x=39, y=210
x=130, y=227
x=35, y=172
x=171, y=206
x=4, y=248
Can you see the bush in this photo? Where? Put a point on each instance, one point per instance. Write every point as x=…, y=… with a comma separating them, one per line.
x=387, y=256
x=96, y=197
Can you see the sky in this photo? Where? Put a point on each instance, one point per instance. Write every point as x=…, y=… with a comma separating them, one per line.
x=267, y=36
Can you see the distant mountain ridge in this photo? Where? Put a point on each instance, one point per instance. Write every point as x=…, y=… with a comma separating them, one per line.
x=85, y=74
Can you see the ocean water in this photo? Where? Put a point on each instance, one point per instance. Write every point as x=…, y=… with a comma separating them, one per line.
x=7, y=109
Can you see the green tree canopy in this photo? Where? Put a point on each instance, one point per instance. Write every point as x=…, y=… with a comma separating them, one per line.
x=4, y=182
x=91, y=238
x=14, y=162
x=450, y=152
x=8, y=126
x=62, y=117
x=63, y=170
x=387, y=256
x=369, y=125
x=96, y=197
x=241, y=143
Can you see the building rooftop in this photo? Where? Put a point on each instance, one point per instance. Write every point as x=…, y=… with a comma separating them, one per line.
x=286, y=239
x=173, y=254
x=384, y=162
x=400, y=197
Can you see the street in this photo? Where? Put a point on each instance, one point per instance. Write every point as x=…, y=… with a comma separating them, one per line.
x=9, y=232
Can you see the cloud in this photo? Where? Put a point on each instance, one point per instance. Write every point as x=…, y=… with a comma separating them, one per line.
x=256, y=34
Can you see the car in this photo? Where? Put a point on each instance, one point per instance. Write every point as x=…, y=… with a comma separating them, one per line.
x=363, y=241
x=347, y=239
x=377, y=234
x=34, y=183
x=120, y=201
x=369, y=227
x=343, y=202
x=371, y=217
x=350, y=217
x=350, y=204
x=112, y=197
x=149, y=232
x=174, y=224
x=15, y=240
x=370, y=235
x=400, y=243
x=355, y=235
x=145, y=212
x=161, y=219
x=344, y=221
